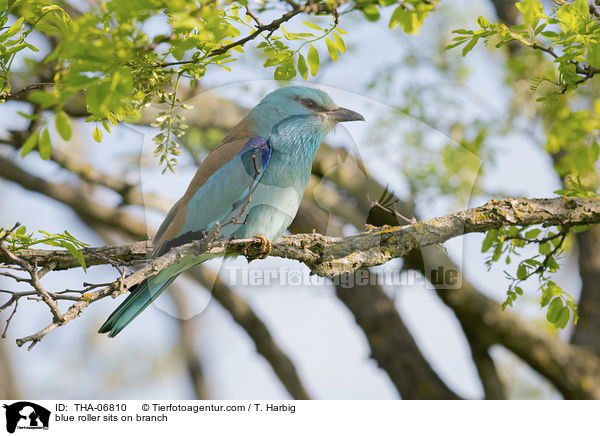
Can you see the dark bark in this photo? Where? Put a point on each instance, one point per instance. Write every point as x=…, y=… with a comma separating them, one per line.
x=493, y=388
x=587, y=330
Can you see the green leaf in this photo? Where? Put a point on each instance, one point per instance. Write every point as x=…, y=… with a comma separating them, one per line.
x=469, y=46
x=302, y=68
x=106, y=125
x=275, y=60
x=34, y=117
x=462, y=32
x=545, y=298
x=563, y=318
x=332, y=50
x=522, y=272
x=532, y=11
x=284, y=72
x=313, y=60
x=43, y=98
x=569, y=72
x=540, y=28
x=554, y=289
x=339, y=43
x=312, y=25
x=97, y=134
x=75, y=252
x=545, y=248
x=554, y=310
x=286, y=34
x=395, y=18
x=483, y=22
x=550, y=35
x=63, y=125
x=12, y=30
x=371, y=12
x=45, y=146
x=593, y=54
x=29, y=144
x=582, y=7
x=111, y=119
x=498, y=250
x=408, y=20
x=489, y=240
x=533, y=233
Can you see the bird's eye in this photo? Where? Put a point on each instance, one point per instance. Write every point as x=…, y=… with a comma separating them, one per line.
x=310, y=104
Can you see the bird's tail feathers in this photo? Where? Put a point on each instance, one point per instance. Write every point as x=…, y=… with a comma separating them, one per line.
x=145, y=293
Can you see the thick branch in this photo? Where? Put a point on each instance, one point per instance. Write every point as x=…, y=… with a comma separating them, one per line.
x=127, y=254
x=493, y=387
x=330, y=256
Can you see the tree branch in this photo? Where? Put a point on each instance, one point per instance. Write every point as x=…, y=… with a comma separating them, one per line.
x=493, y=387
x=330, y=256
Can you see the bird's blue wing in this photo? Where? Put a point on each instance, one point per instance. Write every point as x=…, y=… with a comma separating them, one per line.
x=217, y=197
x=229, y=185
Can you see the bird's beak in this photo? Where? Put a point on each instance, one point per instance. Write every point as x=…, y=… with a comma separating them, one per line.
x=342, y=114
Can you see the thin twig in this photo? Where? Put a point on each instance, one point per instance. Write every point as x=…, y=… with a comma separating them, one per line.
x=20, y=94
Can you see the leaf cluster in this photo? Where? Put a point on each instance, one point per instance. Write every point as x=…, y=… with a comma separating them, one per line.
x=20, y=239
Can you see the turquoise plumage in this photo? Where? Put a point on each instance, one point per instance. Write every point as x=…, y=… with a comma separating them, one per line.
x=280, y=136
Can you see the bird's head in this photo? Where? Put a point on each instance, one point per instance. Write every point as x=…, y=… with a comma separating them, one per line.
x=299, y=100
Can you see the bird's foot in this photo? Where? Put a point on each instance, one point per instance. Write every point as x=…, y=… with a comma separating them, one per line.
x=412, y=220
x=259, y=248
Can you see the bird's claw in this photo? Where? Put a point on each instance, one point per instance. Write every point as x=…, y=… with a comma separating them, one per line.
x=259, y=248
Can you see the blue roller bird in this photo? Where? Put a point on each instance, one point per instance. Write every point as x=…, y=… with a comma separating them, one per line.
x=272, y=151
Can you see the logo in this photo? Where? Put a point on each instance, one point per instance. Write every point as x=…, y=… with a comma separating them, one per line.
x=26, y=415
